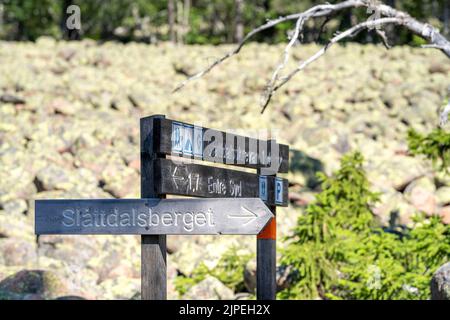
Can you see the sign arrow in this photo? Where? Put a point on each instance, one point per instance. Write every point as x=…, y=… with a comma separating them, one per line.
x=176, y=177
x=247, y=214
x=189, y=181
x=151, y=216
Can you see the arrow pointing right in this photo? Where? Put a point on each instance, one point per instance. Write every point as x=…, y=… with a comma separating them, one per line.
x=247, y=214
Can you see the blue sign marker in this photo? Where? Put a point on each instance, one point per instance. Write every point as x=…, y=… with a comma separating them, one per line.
x=263, y=188
x=198, y=142
x=188, y=140
x=278, y=190
x=177, y=137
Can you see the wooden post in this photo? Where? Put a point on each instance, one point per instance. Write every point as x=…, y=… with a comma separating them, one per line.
x=153, y=247
x=266, y=282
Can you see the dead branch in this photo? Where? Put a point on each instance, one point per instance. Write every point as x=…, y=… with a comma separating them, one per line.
x=387, y=15
x=346, y=34
x=316, y=12
x=298, y=28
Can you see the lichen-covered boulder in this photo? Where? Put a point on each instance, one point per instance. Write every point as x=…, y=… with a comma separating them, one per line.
x=443, y=196
x=16, y=227
x=54, y=177
x=250, y=276
x=209, y=289
x=420, y=194
x=440, y=283
x=42, y=284
x=15, y=207
x=445, y=214
x=120, y=288
x=17, y=252
x=80, y=139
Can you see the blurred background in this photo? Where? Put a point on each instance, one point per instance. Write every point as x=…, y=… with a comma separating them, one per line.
x=369, y=214
x=191, y=21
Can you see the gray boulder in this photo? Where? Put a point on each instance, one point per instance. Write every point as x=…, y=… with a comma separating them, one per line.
x=250, y=276
x=440, y=283
x=209, y=289
x=17, y=252
x=36, y=284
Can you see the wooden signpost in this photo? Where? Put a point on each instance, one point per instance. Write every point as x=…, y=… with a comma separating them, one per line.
x=234, y=201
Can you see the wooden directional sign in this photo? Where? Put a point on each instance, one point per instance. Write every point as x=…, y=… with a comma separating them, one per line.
x=244, y=210
x=151, y=216
x=174, y=177
x=187, y=140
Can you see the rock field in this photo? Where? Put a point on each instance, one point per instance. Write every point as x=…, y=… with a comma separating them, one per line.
x=69, y=128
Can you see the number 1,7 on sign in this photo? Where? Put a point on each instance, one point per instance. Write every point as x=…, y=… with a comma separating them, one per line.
x=151, y=216
x=195, y=180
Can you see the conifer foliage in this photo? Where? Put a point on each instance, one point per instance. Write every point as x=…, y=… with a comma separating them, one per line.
x=339, y=251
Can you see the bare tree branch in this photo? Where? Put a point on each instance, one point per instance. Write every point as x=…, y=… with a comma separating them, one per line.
x=432, y=46
x=387, y=15
x=424, y=30
x=298, y=28
x=317, y=11
x=384, y=38
x=340, y=36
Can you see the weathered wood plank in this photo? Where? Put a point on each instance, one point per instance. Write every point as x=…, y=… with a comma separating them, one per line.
x=194, y=142
x=196, y=180
x=266, y=256
x=153, y=247
x=266, y=283
x=152, y=216
x=153, y=267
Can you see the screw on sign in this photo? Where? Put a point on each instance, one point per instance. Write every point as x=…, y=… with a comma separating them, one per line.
x=233, y=201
